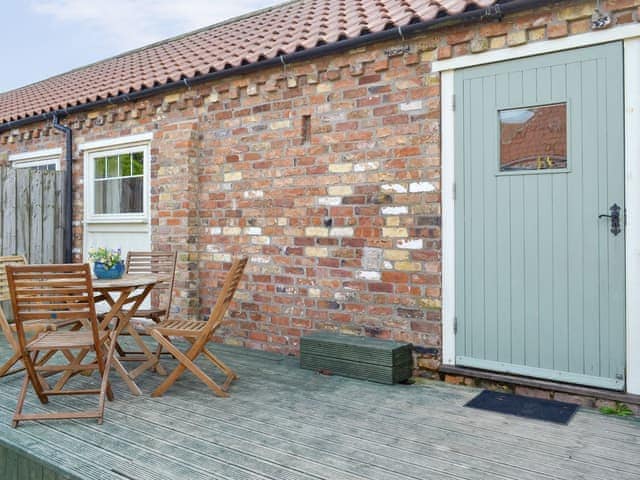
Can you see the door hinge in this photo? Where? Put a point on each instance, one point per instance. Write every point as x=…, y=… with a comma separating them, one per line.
x=454, y=190
x=453, y=102
x=455, y=324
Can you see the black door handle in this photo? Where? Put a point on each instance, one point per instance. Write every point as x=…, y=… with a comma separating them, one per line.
x=615, y=218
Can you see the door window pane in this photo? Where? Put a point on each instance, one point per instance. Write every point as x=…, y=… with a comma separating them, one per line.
x=119, y=184
x=533, y=138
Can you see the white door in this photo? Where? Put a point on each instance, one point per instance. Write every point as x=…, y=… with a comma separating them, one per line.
x=116, y=207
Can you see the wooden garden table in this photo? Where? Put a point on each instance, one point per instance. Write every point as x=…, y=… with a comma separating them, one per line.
x=124, y=296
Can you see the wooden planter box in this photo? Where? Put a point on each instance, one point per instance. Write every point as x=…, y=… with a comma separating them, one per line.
x=365, y=358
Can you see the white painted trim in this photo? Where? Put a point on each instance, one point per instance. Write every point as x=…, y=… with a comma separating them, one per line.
x=37, y=155
x=632, y=202
x=447, y=127
x=116, y=142
x=89, y=208
x=539, y=48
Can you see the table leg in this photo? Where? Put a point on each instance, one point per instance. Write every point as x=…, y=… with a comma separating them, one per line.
x=150, y=360
x=116, y=307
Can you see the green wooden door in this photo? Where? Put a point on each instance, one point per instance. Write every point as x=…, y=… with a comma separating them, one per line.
x=540, y=278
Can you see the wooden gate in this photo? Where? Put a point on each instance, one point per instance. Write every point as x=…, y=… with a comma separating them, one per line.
x=32, y=214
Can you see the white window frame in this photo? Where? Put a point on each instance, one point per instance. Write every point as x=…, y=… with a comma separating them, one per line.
x=118, y=146
x=36, y=159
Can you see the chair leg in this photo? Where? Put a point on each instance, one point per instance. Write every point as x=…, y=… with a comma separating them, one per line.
x=33, y=377
x=5, y=368
x=104, y=365
x=20, y=404
x=231, y=375
x=185, y=363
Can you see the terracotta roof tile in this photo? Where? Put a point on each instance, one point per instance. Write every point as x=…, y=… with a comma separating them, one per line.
x=266, y=34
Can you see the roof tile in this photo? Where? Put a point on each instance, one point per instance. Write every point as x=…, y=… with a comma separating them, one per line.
x=283, y=29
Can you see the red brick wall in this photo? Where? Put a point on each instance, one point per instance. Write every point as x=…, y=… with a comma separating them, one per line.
x=341, y=220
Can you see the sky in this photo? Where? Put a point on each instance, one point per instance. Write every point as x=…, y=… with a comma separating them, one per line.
x=42, y=38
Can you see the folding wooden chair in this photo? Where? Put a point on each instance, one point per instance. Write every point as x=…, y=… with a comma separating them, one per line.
x=40, y=293
x=160, y=263
x=199, y=334
x=9, y=329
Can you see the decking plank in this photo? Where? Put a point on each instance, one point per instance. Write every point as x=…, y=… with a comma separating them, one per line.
x=283, y=423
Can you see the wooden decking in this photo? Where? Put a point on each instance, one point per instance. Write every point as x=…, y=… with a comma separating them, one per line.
x=283, y=423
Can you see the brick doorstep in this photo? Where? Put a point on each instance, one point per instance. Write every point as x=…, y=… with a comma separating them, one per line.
x=551, y=387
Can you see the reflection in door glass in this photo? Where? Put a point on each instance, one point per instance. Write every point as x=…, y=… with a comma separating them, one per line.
x=533, y=138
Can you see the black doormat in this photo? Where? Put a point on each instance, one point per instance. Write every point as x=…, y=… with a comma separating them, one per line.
x=527, y=407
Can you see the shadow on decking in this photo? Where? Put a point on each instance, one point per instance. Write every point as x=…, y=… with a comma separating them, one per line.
x=284, y=423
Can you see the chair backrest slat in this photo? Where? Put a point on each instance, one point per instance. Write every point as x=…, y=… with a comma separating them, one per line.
x=160, y=263
x=225, y=296
x=51, y=292
x=4, y=285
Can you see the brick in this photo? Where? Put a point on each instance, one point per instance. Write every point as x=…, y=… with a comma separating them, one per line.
x=432, y=303
x=395, y=232
x=340, y=167
x=408, y=266
x=580, y=26
x=367, y=275
x=316, y=232
x=411, y=244
x=396, y=187
x=536, y=34
x=396, y=255
x=401, y=210
x=557, y=30
x=454, y=379
x=532, y=392
x=340, y=190
x=392, y=221
x=480, y=44
x=498, y=42
x=576, y=11
x=518, y=37
x=330, y=201
x=341, y=232
x=421, y=187
x=316, y=251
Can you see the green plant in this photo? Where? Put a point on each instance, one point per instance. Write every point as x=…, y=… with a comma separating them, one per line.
x=621, y=410
x=108, y=257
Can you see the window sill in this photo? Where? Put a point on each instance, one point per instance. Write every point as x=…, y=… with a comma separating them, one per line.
x=116, y=220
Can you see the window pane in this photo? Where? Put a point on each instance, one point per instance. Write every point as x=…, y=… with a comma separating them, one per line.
x=112, y=166
x=100, y=167
x=137, y=164
x=125, y=165
x=119, y=195
x=533, y=138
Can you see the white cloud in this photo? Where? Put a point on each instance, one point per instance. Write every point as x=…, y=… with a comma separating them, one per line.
x=128, y=24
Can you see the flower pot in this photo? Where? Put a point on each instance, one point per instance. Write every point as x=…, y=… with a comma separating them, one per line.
x=101, y=270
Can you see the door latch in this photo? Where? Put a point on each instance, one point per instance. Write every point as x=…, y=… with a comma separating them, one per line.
x=615, y=218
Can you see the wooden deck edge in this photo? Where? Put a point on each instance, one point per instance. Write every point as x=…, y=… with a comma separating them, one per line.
x=539, y=386
x=17, y=463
